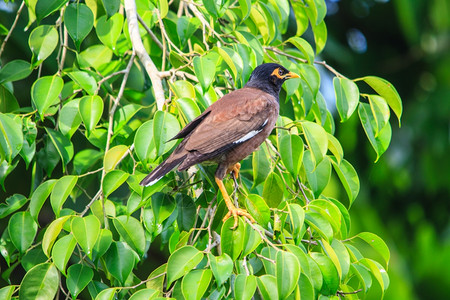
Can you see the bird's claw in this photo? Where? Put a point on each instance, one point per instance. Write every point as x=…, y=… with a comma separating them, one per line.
x=235, y=212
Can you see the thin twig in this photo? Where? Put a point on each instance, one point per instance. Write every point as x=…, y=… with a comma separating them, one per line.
x=300, y=185
x=142, y=282
x=91, y=202
x=138, y=47
x=265, y=258
x=91, y=172
x=19, y=11
x=151, y=34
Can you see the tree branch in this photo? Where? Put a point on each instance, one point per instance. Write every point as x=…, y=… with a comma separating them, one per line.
x=19, y=11
x=138, y=47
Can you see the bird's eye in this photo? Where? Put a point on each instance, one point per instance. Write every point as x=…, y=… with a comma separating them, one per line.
x=281, y=71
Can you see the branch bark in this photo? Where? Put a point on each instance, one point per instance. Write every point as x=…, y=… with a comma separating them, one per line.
x=138, y=46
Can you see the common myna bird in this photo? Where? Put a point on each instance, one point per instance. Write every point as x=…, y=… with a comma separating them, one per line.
x=229, y=130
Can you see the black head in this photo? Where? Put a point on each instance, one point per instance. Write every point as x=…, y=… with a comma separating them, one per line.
x=269, y=78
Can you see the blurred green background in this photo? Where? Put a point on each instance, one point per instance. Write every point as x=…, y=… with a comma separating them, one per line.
x=405, y=196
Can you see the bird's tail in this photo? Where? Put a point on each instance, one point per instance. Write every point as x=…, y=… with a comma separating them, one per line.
x=165, y=167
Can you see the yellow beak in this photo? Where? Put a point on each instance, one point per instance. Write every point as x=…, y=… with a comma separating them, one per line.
x=291, y=75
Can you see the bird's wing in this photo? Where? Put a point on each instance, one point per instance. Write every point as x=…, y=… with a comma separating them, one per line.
x=234, y=119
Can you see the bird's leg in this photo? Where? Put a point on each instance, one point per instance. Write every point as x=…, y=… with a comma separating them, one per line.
x=232, y=210
x=235, y=174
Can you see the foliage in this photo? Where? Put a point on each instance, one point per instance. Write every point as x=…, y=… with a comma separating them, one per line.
x=98, y=123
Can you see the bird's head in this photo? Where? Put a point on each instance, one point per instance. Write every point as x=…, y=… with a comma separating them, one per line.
x=270, y=77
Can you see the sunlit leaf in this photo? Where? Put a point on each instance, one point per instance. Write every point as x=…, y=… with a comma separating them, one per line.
x=45, y=92
x=41, y=282
x=181, y=262
x=199, y=279
x=61, y=190
x=22, y=230
x=43, y=41
x=79, y=20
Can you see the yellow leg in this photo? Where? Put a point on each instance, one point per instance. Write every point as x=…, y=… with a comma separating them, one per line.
x=236, y=169
x=232, y=210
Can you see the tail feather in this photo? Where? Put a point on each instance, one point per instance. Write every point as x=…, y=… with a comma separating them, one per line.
x=165, y=167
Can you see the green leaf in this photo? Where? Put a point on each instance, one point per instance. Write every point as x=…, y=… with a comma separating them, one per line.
x=225, y=54
x=113, y=180
x=163, y=205
x=342, y=255
x=61, y=190
x=165, y=127
x=163, y=6
x=85, y=81
x=12, y=204
x=144, y=145
x=232, y=241
x=349, y=178
x=327, y=210
x=329, y=273
x=261, y=165
x=69, y=118
x=62, y=144
x=267, y=285
x=78, y=277
x=381, y=141
x=380, y=112
x=291, y=151
x=296, y=218
x=329, y=251
x=91, y=109
x=132, y=232
x=205, y=68
x=106, y=294
x=157, y=282
x=79, y=20
x=103, y=243
x=221, y=266
x=123, y=115
x=377, y=244
x=347, y=97
x=252, y=240
x=42, y=41
x=7, y=292
x=145, y=294
x=378, y=272
x=187, y=212
x=273, y=190
x=245, y=6
x=320, y=36
x=319, y=177
x=244, y=287
x=86, y=231
x=22, y=230
x=183, y=89
x=113, y=157
x=186, y=27
x=62, y=251
x=304, y=47
x=317, y=140
x=8, y=102
x=306, y=287
x=181, y=262
x=15, y=70
x=189, y=108
x=335, y=147
x=288, y=273
x=47, y=7
x=363, y=275
x=41, y=282
x=95, y=56
x=45, y=92
x=199, y=279
x=108, y=30
x=51, y=234
x=11, y=137
x=119, y=260
x=320, y=224
x=386, y=90
x=111, y=6
x=258, y=208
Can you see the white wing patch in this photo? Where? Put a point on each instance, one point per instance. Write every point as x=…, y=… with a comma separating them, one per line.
x=251, y=134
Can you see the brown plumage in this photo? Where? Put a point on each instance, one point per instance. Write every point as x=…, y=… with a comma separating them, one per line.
x=229, y=130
